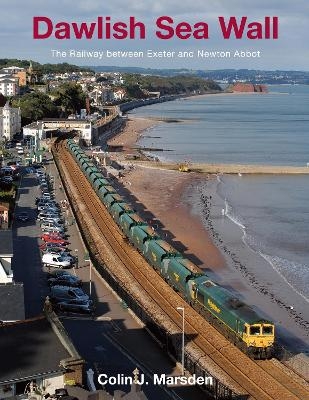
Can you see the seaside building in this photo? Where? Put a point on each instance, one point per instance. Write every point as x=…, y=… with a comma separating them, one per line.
x=10, y=121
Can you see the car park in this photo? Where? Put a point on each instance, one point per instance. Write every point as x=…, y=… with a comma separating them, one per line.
x=70, y=299
x=53, y=260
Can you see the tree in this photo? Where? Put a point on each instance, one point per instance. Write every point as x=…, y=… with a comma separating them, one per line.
x=70, y=97
x=35, y=106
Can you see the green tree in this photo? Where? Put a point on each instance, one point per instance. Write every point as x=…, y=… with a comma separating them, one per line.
x=35, y=106
x=70, y=97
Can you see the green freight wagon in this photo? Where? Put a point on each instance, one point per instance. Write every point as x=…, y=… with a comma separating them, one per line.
x=111, y=198
x=140, y=234
x=104, y=190
x=157, y=252
x=99, y=182
x=80, y=157
x=90, y=170
x=93, y=176
x=126, y=221
x=117, y=209
x=178, y=270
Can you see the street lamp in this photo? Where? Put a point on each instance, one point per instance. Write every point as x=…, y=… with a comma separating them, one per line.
x=88, y=259
x=183, y=339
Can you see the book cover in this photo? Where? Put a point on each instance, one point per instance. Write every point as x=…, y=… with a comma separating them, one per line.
x=154, y=178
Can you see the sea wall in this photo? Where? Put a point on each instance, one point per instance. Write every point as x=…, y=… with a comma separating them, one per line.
x=130, y=105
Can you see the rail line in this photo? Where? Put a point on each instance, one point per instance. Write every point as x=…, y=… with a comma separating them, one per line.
x=247, y=376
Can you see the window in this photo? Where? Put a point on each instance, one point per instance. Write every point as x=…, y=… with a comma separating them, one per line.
x=254, y=330
x=267, y=330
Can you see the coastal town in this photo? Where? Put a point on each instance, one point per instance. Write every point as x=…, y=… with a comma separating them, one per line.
x=103, y=285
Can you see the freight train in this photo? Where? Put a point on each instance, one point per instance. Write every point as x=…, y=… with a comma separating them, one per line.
x=253, y=334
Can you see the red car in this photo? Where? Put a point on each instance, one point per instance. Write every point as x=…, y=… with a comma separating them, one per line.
x=54, y=239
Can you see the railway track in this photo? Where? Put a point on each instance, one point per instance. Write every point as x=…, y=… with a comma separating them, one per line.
x=258, y=380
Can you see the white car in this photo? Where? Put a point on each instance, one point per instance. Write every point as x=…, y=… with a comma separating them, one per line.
x=51, y=227
x=64, y=254
x=54, y=220
x=48, y=208
x=47, y=215
x=53, y=260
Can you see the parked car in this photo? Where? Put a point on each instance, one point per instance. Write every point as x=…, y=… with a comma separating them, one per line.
x=53, y=230
x=46, y=202
x=22, y=216
x=46, y=246
x=47, y=196
x=53, y=260
x=70, y=299
x=54, y=239
x=65, y=280
x=53, y=219
x=45, y=215
x=47, y=207
x=52, y=227
x=64, y=254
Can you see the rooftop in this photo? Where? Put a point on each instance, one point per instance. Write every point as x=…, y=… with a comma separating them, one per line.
x=29, y=348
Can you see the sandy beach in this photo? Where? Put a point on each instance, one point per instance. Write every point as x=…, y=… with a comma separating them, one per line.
x=133, y=130
x=182, y=210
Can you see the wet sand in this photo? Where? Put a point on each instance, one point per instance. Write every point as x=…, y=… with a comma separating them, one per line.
x=175, y=204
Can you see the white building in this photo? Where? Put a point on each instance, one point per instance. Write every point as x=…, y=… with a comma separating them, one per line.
x=9, y=85
x=10, y=121
x=42, y=129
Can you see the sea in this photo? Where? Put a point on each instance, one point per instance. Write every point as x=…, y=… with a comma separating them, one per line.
x=270, y=213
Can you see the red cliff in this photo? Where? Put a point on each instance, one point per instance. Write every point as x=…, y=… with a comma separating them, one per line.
x=248, y=88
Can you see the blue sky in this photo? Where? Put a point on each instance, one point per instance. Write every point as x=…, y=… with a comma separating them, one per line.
x=290, y=51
